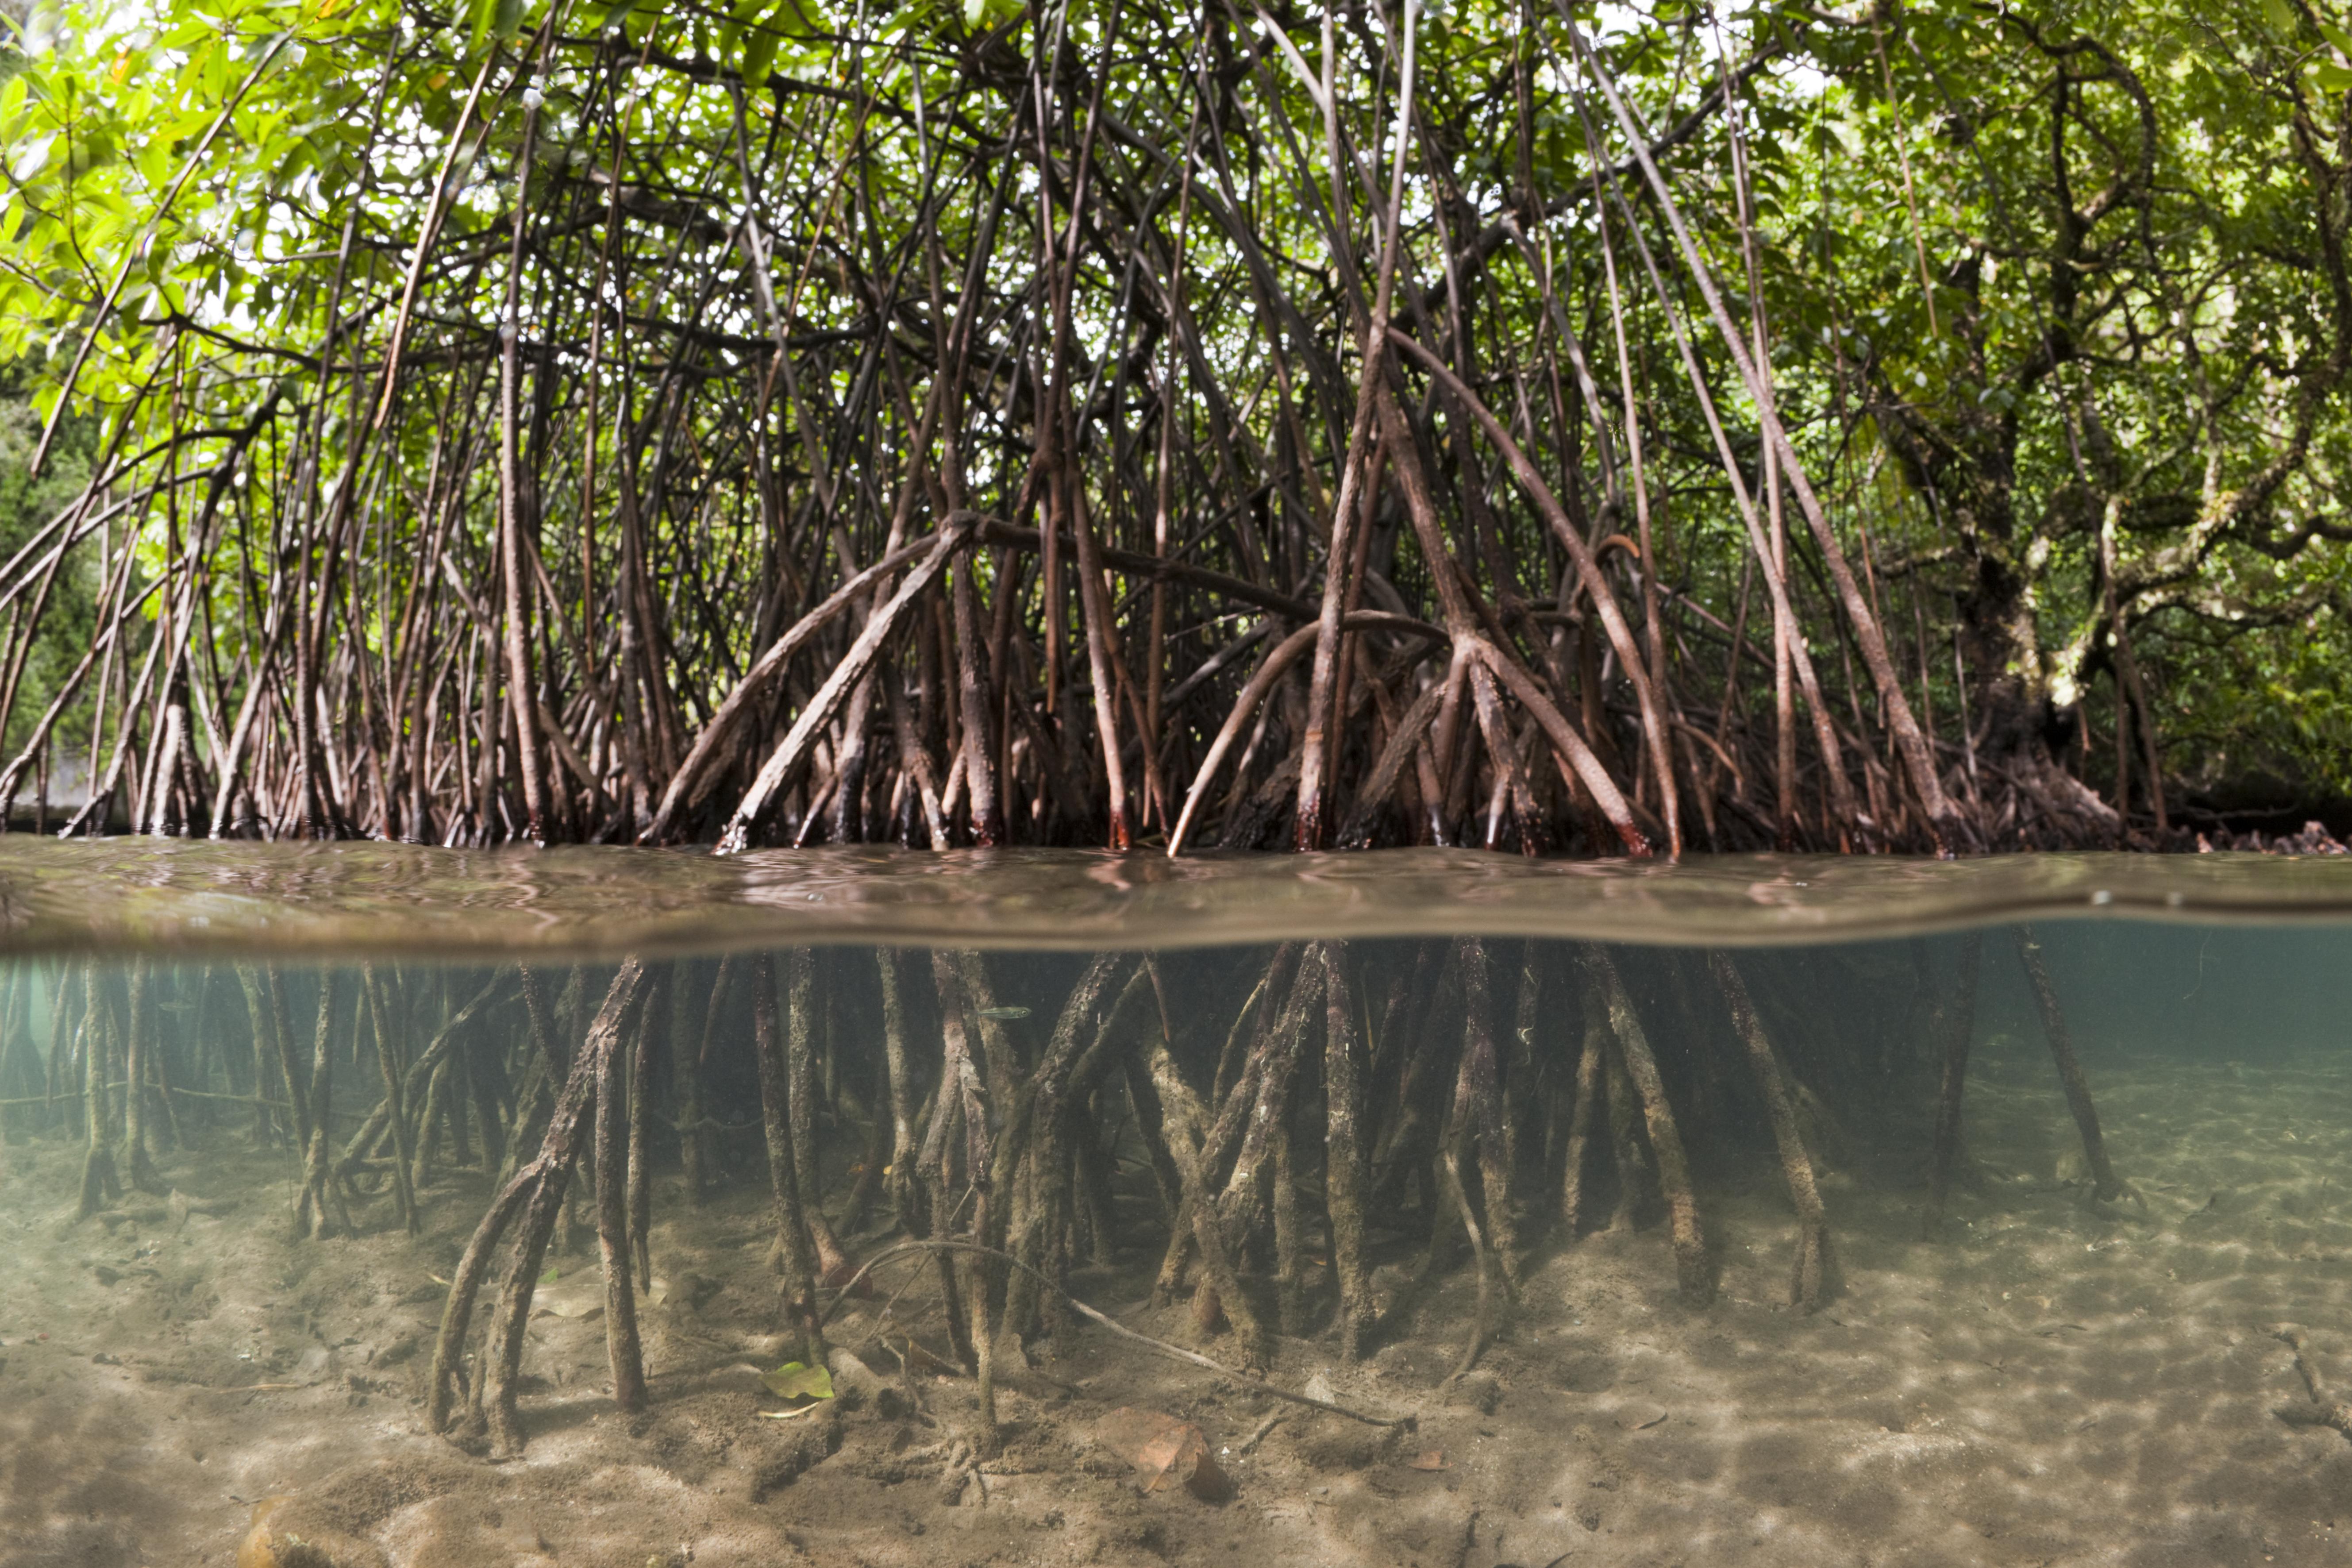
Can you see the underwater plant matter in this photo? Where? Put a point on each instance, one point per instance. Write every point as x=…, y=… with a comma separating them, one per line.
x=1503, y=1094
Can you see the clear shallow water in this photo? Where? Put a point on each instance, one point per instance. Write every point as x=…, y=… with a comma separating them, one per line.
x=1736, y=1211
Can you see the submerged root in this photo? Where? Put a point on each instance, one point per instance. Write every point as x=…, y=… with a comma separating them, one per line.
x=1369, y=1102
x=1957, y=1020
x=1693, y=1267
x=1812, y=1277
x=545, y=1180
x=1343, y=1093
x=2105, y=1186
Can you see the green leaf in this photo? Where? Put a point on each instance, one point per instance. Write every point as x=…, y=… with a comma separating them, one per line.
x=2280, y=17
x=2332, y=76
x=796, y=18
x=549, y=1278
x=483, y=15
x=2339, y=37
x=759, y=57
x=794, y=1381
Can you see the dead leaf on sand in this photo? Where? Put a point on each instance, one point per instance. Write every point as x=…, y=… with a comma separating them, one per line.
x=1428, y=1459
x=1164, y=1451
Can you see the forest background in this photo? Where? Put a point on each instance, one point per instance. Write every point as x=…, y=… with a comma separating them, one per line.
x=1902, y=427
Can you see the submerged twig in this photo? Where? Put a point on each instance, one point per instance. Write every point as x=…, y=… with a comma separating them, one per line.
x=1178, y=1352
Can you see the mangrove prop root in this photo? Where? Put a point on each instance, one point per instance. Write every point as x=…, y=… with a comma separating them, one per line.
x=1275, y=1067
x=2105, y=1186
x=551, y=1176
x=615, y=1071
x=1481, y=1321
x=1236, y=1092
x=689, y=1055
x=1624, y=1134
x=900, y=1180
x=1216, y=1262
x=137, y=1169
x=386, y=1036
x=319, y=1210
x=1479, y=1093
x=465, y=1285
x=265, y=1007
x=1289, y=1265
x=962, y=1106
x=1691, y=1264
x=1034, y=1141
x=1813, y=1276
x=1588, y=1087
x=795, y=1252
x=100, y=1182
x=1038, y=1134
x=983, y=1344
x=1343, y=1156
x=1522, y=1068
x=1958, y=1023
x=640, y=1195
x=800, y=969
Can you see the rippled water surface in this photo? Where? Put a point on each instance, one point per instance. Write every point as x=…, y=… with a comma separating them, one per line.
x=130, y=894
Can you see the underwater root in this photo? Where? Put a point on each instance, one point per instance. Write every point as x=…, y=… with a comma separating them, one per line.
x=1286, y=1129
x=534, y=1197
x=1812, y=1277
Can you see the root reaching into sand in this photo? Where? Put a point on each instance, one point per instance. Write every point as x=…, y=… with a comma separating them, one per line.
x=1813, y=1275
x=1285, y=1130
x=1691, y=1263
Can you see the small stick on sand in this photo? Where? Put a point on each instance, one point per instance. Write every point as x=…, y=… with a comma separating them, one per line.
x=2325, y=1412
x=1095, y=1314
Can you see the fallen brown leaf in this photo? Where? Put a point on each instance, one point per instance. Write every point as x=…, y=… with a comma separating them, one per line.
x=1163, y=1450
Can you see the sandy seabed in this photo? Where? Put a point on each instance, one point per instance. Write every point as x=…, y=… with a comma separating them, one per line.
x=2052, y=1384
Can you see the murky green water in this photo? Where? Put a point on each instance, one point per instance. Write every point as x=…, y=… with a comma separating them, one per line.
x=470, y=1207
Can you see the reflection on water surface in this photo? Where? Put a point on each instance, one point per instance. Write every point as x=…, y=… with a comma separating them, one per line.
x=381, y=898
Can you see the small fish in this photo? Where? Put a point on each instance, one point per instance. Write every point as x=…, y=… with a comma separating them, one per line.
x=1003, y=1013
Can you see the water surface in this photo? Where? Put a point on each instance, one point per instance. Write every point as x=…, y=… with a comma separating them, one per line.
x=128, y=894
